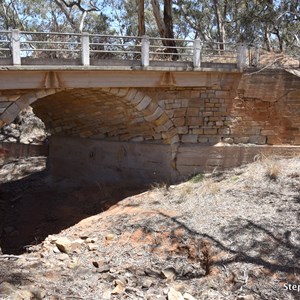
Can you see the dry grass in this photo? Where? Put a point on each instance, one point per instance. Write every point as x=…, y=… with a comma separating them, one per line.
x=210, y=187
x=272, y=166
x=273, y=169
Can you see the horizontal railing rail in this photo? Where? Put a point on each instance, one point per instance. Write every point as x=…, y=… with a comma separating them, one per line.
x=86, y=48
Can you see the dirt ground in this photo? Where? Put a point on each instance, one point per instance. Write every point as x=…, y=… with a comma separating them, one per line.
x=225, y=235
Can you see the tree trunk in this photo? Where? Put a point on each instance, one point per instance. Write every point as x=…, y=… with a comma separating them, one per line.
x=165, y=26
x=157, y=15
x=220, y=24
x=267, y=40
x=168, y=20
x=141, y=17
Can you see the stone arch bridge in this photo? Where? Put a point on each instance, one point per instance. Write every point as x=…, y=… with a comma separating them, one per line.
x=154, y=122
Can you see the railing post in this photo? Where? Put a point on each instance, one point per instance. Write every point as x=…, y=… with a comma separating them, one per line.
x=197, y=54
x=15, y=47
x=85, y=49
x=241, y=57
x=145, y=50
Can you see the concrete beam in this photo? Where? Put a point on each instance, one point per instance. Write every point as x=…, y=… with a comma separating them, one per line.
x=40, y=79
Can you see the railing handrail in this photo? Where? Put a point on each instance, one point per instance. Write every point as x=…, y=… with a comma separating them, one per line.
x=146, y=47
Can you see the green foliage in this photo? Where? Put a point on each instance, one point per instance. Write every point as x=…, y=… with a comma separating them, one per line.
x=197, y=178
x=274, y=25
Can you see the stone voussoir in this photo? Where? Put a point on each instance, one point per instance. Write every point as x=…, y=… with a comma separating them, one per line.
x=144, y=103
x=136, y=98
x=158, y=112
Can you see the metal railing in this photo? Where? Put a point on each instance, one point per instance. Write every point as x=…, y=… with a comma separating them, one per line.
x=84, y=48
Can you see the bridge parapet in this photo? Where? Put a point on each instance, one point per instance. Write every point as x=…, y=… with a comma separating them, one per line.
x=39, y=48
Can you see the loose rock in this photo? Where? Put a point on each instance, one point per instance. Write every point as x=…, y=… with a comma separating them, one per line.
x=174, y=295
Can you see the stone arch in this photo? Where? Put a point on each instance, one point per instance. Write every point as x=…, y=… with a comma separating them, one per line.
x=147, y=109
x=154, y=114
x=13, y=104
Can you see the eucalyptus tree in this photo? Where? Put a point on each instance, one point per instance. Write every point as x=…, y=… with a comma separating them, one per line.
x=272, y=24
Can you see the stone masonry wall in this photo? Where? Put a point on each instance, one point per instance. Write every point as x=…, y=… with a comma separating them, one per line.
x=264, y=109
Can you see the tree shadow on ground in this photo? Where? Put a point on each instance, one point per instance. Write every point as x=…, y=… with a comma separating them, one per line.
x=247, y=242
x=261, y=251
x=35, y=206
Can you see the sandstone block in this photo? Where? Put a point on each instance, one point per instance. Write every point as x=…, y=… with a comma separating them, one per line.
x=41, y=94
x=10, y=113
x=137, y=139
x=134, y=96
x=144, y=103
x=176, y=105
x=210, y=131
x=170, y=113
x=228, y=140
x=4, y=104
x=150, y=108
x=213, y=139
x=161, y=103
x=219, y=123
x=209, y=104
x=202, y=139
x=179, y=121
x=192, y=112
x=213, y=119
x=195, y=94
x=194, y=121
x=224, y=131
x=196, y=103
x=241, y=140
x=197, y=131
x=258, y=139
x=158, y=112
x=207, y=113
x=122, y=92
x=189, y=138
x=163, y=127
x=170, y=133
x=175, y=139
x=179, y=112
x=162, y=120
x=182, y=130
x=184, y=102
x=222, y=94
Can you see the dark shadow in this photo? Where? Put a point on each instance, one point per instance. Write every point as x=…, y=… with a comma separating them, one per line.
x=37, y=205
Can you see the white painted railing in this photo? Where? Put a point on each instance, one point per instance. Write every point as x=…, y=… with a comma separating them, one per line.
x=84, y=48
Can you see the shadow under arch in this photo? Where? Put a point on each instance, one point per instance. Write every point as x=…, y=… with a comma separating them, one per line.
x=39, y=205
